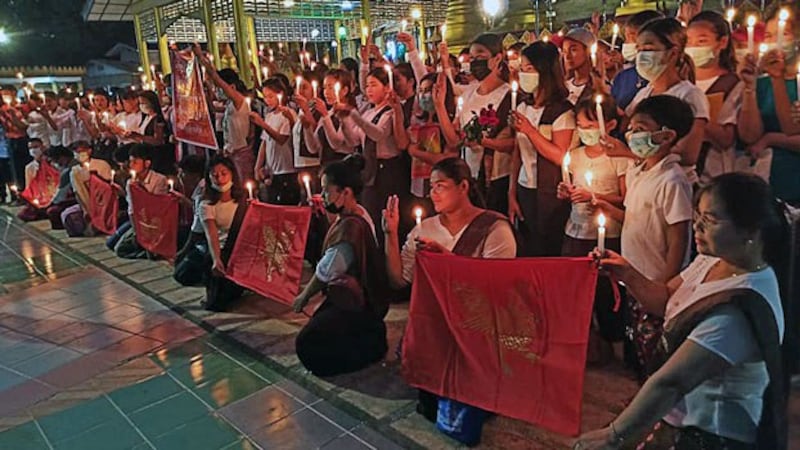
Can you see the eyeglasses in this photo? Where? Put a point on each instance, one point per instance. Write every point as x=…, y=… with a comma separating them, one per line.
x=706, y=220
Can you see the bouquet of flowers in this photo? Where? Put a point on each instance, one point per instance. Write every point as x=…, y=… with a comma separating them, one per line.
x=480, y=124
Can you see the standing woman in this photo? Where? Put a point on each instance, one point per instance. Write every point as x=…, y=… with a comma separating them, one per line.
x=488, y=65
x=153, y=130
x=661, y=59
x=329, y=142
x=275, y=160
x=383, y=139
x=711, y=48
x=236, y=119
x=545, y=125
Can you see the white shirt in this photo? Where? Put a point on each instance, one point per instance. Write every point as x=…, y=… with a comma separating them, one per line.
x=235, y=126
x=655, y=199
x=38, y=127
x=128, y=122
x=474, y=102
x=303, y=137
x=731, y=403
x=279, y=157
x=31, y=169
x=79, y=177
x=721, y=160
x=499, y=243
x=382, y=132
x=606, y=171
x=527, y=172
x=222, y=213
x=575, y=90
x=684, y=90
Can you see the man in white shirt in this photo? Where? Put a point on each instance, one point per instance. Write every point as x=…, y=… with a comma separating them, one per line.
x=578, y=62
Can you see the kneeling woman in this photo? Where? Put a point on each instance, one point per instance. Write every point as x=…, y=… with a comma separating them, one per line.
x=347, y=332
x=218, y=218
x=462, y=226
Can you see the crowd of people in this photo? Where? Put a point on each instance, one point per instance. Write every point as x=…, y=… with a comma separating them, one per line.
x=681, y=134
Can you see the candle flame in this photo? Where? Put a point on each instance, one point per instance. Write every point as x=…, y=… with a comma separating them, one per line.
x=133, y=174
x=784, y=14
x=751, y=21
x=601, y=220
x=418, y=212
x=615, y=29
x=599, y=99
x=249, y=185
x=306, y=178
x=387, y=68
x=514, y=86
x=762, y=49
x=730, y=13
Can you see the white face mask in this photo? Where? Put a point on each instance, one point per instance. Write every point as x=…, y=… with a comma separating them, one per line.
x=788, y=48
x=589, y=136
x=35, y=152
x=629, y=51
x=650, y=64
x=529, y=82
x=642, y=145
x=701, y=56
x=224, y=188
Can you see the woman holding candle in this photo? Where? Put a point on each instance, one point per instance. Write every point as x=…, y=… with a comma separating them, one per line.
x=154, y=130
x=607, y=184
x=461, y=226
x=346, y=332
x=545, y=125
x=305, y=157
x=275, y=161
x=383, y=137
x=577, y=63
x=661, y=59
x=711, y=48
x=765, y=120
x=329, y=142
x=722, y=385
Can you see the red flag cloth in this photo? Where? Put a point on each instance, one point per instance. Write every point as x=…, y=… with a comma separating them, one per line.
x=192, y=118
x=155, y=221
x=105, y=205
x=507, y=336
x=268, y=254
x=43, y=186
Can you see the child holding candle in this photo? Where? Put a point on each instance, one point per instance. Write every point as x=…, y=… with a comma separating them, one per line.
x=765, y=120
x=657, y=208
x=275, y=161
x=577, y=62
x=305, y=157
x=328, y=141
x=581, y=231
x=545, y=125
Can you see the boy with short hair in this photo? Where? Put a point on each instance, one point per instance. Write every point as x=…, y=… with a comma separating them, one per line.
x=658, y=206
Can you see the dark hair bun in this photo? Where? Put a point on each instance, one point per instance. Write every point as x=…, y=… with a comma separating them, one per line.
x=355, y=161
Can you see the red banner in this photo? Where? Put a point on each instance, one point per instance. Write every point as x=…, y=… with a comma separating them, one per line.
x=192, y=118
x=428, y=138
x=155, y=221
x=507, y=336
x=43, y=186
x=268, y=255
x=105, y=205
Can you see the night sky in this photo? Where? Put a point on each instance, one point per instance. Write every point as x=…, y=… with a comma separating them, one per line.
x=52, y=32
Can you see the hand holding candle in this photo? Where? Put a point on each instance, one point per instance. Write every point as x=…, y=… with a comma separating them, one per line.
x=601, y=234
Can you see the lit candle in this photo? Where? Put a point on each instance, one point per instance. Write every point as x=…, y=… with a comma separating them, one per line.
x=593, y=50
x=783, y=16
x=601, y=120
x=123, y=125
x=250, y=190
x=565, y=169
x=86, y=165
x=403, y=25
x=14, y=188
x=307, y=184
x=105, y=116
x=729, y=15
x=302, y=62
x=337, y=88
x=589, y=177
x=113, y=174
x=78, y=102
x=280, y=99
x=314, y=86
x=762, y=50
x=326, y=60
x=298, y=80
x=514, y=89
x=751, y=29
x=153, y=70
x=444, y=30
x=614, y=36
x=249, y=101
x=171, y=183
x=418, y=215
x=36, y=202
x=601, y=233
x=265, y=72
x=313, y=66
x=388, y=70
x=459, y=106
x=91, y=99
x=364, y=35
x=133, y=175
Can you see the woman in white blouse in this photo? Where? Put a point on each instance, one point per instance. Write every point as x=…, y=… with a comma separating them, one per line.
x=722, y=384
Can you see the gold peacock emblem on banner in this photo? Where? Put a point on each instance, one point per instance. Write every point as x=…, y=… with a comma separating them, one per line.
x=149, y=228
x=512, y=325
x=277, y=247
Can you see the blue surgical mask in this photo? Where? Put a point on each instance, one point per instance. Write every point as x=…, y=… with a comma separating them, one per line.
x=642, y=145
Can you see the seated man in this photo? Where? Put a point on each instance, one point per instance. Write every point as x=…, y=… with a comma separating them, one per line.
x=64, y=160
x=35, y=209
x=76, y=218
x=139, y=162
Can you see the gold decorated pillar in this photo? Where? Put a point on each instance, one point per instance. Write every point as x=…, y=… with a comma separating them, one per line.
x=465, y=20
x=163, y=43
x=141, y=45
x=240, y=29
x=211, y=31
x=636, y=6
x=252, y=47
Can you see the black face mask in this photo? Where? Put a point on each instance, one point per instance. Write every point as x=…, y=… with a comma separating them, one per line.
x=331, y=207
x=479, y=68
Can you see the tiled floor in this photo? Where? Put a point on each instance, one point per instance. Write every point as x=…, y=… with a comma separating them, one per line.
x=97, y=352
